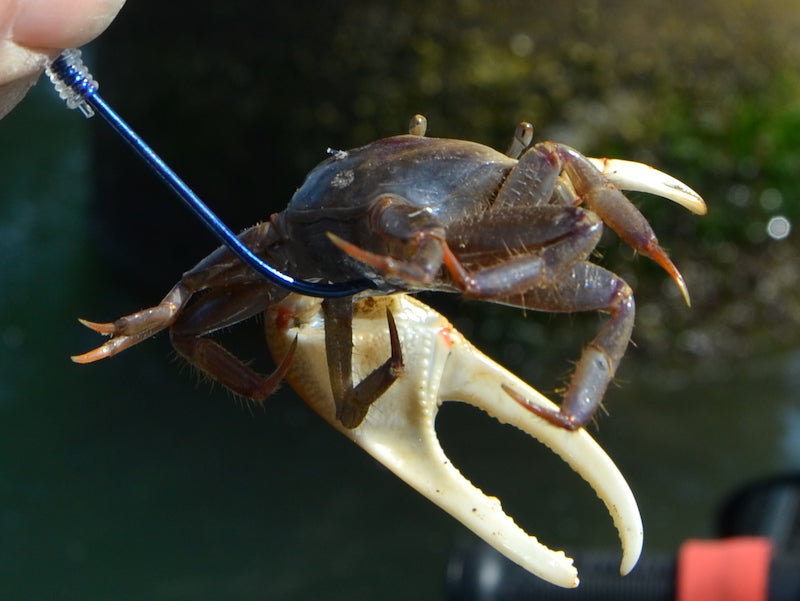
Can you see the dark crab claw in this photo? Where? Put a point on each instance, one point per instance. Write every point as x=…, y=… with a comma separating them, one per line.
x=399, y=427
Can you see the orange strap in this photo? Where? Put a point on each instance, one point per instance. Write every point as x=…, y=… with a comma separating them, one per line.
x=732, y=569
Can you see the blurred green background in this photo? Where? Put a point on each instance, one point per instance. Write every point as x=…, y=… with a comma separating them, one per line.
x=133, y=479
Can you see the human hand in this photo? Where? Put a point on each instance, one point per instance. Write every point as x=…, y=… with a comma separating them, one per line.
x=33, y=32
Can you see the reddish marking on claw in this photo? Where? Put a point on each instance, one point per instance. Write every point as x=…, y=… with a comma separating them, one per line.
x=446, y=334
x=284, y=318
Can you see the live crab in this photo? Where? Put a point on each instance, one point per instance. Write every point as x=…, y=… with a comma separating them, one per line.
x=412, y=213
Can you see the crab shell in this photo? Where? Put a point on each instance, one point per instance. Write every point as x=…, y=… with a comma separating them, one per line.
x=398, y=431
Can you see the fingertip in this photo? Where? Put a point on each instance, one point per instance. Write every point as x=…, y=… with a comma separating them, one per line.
x=64, y=24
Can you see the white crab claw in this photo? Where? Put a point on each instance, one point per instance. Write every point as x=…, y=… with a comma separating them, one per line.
x=629, y=175
x=441, y=365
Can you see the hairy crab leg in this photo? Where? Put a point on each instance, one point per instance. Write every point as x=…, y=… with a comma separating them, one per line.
x=605, y=199
x=219, y=269
x=399, y=429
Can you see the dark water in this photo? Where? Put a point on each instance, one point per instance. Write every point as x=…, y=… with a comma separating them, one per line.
x=128, y=479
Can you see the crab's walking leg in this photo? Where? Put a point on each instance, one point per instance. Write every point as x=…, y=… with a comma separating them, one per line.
x=529, y=246
x=533, y=181
x=616, y=210
x=132, y=329
x=588, y=287
x=233, y=293
x=217, y=270
x=222, y=307
x=352, y=402
x=407, y=232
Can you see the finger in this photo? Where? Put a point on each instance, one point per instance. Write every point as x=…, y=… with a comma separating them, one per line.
x=62, y=24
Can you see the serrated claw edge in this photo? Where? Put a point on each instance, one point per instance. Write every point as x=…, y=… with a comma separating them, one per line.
x=399, y=428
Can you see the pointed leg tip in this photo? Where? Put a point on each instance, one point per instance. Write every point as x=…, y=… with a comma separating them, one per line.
x=101, y=328
x=685, y=292
x=659, y=255
x=351, y=249
x=90, y=357
x=681, y=283
x=343, y=245
x=337, y=240
x=383, y=263
x=113, y=347
x=552, y=416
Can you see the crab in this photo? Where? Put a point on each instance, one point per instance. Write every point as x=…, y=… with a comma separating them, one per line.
x=411, y=213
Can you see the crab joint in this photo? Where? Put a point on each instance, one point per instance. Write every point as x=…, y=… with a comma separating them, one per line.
x=398, y=431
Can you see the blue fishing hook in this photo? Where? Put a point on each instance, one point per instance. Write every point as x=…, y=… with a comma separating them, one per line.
x=75, y=85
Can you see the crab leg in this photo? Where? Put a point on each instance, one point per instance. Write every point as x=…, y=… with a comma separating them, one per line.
x=399, y=428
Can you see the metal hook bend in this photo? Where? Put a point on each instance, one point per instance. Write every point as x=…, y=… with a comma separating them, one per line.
x=76, y=86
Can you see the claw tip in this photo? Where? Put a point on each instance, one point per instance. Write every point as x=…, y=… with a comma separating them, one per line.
x=631, y=554
x=91, y=356
x=101, y=328
x=657, y=254
x=80, y=359
x=684, y=290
